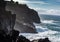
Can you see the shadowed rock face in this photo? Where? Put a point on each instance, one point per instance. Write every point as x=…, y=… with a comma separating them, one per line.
x=24, y=17
x=7, y=20
x=34, y=15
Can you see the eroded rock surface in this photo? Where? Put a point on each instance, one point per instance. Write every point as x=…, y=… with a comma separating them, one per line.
x=7, y=22
x=24, y=17
x=7, y=19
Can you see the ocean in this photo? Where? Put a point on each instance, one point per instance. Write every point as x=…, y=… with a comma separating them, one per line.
x=49, y=27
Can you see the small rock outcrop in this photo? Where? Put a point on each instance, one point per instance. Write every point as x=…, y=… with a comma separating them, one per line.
x=22, y=39
x=42, y=40
x=15, y=35
x=9, y=38
x=24, y=17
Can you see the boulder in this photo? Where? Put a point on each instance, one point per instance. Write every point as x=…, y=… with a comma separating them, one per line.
x=42, y=40
x=15, y=35
x=22, y=39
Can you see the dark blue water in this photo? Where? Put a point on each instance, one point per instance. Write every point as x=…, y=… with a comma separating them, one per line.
x=54, y=22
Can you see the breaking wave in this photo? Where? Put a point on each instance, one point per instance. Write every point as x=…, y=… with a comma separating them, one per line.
x=49, y=27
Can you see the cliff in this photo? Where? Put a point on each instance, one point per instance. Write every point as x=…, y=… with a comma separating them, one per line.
x=7, y=22
x=7, y=19
x=24, y=17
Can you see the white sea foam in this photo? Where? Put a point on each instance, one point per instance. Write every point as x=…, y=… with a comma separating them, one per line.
x=40, y=35
x=48, y=21
x=54, y=39
x=45, y=32
x=41, y=28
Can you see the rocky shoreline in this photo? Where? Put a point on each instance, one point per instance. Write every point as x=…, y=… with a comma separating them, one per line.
x=16, y=38
x=7, y=22
x=24, y=39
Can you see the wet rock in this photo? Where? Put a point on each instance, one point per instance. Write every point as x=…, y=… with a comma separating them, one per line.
x=41, y=40
x=22, y=39
x=45, y=40
x=8, y=38
x=15, y=35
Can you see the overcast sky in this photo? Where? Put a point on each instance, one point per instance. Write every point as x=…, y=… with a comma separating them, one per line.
x=43, y=6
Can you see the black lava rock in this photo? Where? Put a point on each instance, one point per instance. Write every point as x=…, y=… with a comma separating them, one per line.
x=22, y=39
x=44, y=40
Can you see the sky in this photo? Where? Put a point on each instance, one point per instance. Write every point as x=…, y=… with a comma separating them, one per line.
x=50, y=7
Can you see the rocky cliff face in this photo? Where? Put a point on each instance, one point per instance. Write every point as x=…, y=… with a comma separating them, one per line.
x=7, y=20
x=24, y=17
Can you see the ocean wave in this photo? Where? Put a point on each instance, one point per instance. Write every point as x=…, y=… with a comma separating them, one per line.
x=41, y=28
x=54, y=38
x=49, y=21
x=39, y=35
x=43, y=32
x=48, y=28
x=54, y=28
x=50, y=25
